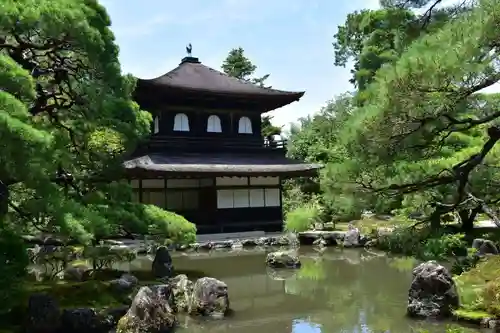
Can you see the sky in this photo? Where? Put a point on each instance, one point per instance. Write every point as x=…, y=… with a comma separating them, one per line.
x=290, y=40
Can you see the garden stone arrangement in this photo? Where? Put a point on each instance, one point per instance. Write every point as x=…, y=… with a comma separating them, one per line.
x=138, y=306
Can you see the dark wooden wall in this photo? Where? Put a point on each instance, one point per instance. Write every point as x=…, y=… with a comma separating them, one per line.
x=210, y=219
x=198, y=123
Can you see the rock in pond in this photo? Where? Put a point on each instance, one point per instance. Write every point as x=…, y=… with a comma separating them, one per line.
x=352, y=237
x=209, y=298
x=162, y=264
x=283, y=259
x=43, y=314
x=150, y=312
x=126, y=283
x=182, y=290
x=433, y=292
x=484, y=246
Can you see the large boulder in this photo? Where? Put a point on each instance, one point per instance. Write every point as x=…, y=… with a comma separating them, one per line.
x=43, y=314
x=283, y=259
x=209, y=298
x=433, y=292
x=182, y=289
x=484, y=246
x=150, y=312
x=162, y=264
x=126, y=283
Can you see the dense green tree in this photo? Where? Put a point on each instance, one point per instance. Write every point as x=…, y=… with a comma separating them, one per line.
x=372, y=38
x=317, y=139
x=426, y=131
x=238, y=65
x=383, y=167
x=66, y=119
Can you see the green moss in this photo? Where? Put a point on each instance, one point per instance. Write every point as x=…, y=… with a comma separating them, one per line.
x=95, y=294
x=470, y=316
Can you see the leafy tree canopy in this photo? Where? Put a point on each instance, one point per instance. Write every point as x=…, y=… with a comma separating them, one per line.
x=419, y=129
x=66, y=119
x=238, y=65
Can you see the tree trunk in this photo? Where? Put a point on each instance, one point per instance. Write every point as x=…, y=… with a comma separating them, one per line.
x=435, y=220
x=467, y=217
x=4, y=200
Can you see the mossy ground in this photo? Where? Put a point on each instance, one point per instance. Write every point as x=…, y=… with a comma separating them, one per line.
x=95, y=293
x=474, y=317
x=479, y=290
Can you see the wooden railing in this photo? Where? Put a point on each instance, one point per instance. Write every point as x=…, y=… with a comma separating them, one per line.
x=211, y=143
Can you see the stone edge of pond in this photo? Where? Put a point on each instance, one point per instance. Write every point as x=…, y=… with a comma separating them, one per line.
x=327, y=238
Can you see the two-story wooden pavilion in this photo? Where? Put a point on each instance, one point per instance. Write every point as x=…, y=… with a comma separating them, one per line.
x=206, y=158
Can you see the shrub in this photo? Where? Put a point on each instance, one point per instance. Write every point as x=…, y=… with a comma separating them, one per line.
x=491, y=297
x=302, y=218
x=104, y=257
x=175, y=227
x=13, y=263
x=444, y=246
x=479, y=288
x=406, y=241
x=423, y=244
x=153, y=220
x=52, y=260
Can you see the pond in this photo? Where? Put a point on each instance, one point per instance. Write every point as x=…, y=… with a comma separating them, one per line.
x=344, y=291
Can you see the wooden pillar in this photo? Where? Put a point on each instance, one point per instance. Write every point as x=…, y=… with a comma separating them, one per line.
x=165, y=191
x=231, y=123
x=281, y=197
x=140, y=190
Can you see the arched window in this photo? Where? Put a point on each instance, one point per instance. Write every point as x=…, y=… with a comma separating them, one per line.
x=181, y=123
x=213, y=124
x=245, y=125
x=156, y=127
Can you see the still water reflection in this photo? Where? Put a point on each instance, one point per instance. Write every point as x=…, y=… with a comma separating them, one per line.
x=336, y=291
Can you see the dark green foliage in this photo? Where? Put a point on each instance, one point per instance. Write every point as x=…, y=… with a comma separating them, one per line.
x=67, y=119
x=423, y=243
x=13, y=262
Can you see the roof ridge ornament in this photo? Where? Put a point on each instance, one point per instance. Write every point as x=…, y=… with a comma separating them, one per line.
x=189, y=50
